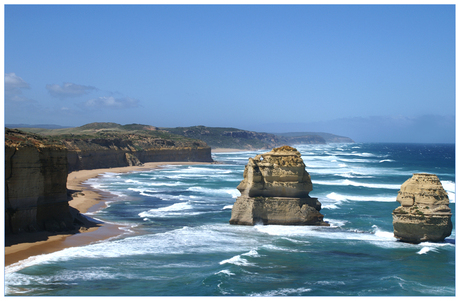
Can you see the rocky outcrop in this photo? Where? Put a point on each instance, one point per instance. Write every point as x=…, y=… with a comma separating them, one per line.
x=35, y=184
x=424, y=214
x=275, y=190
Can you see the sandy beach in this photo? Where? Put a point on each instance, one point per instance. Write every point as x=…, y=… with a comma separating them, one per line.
x=86, y=200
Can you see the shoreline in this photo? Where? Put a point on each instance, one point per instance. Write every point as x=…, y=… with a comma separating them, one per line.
x=85, y=200
x=229, y=150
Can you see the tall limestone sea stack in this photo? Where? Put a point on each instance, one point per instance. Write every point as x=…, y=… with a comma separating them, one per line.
x=275, y=190
x=424, y=214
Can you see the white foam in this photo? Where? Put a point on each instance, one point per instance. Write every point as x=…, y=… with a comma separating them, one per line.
x=237, y=260
x=384, y=234
x=358, y=160
x=353, y=175
x=283, y=292
x=225, y=272
x=233, y=192
x=252, y=253
x=425, y=250
x=347, y=182
x=318, y=231
x=336, y=222
x=329, y=206
x=165, y=184
x=337, y=199
x=449, y=187
x=174, y=209
x=227, y=207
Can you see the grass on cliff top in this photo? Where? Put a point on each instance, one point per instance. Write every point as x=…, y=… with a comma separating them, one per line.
x=108, y=130
x=17, y=138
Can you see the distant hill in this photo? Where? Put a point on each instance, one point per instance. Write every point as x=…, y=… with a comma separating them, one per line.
x=329, y=138
x=43, y=126
x=105, y=130
x=218, y=137
x=215, y=137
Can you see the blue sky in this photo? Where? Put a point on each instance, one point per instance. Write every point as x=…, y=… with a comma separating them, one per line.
x=375, y=73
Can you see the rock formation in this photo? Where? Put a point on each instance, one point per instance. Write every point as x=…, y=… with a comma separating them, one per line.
x=35, y=184
x=424, y=214
x=275, y=190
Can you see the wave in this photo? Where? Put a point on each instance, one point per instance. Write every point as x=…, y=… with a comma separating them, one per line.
x=358, y=184
x=283, y=292
x=339, y=198
x=234, y=193
x=449, y=187
x=357, y=160
x=142, y=190
x=225, y=272
x=174, y=209
x=165, y=184
x=238, y=260
x=376, y=236
x=352, y=175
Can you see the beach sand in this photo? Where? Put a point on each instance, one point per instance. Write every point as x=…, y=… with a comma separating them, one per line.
x=87, y=200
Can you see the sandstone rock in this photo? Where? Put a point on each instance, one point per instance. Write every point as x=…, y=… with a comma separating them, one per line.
x=275, y=190
x=424, y=214
x=132, y=160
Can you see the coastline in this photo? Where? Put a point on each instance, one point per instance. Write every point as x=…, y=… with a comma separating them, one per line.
x=235, y=150
x=228, y=150
x=86, y=200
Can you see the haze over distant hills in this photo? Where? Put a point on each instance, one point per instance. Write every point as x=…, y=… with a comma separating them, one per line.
x=215, y=137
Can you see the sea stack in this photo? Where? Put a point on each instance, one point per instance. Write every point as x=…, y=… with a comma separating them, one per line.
x=275, y=190
x=424, y=214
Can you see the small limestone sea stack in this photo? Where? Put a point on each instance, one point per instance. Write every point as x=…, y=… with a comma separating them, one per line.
x=424, y=214
x=275, y=190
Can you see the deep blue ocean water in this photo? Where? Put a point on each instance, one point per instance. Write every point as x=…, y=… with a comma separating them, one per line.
x=178, y=240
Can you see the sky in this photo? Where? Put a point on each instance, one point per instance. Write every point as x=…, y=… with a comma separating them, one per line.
x=374, y=73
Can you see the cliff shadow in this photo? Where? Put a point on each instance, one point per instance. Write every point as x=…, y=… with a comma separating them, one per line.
x=81, y=223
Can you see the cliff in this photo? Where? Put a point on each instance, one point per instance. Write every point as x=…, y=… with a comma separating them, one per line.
x=105, y=145
x=35, y=184
x=424, y=214
x=275, y=190
x=119, y=150
x=36, y=169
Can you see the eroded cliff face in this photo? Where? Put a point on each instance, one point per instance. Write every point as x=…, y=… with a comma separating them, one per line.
x=424, y=214
x=115, y=152
x=275, y=190
x=35, y=184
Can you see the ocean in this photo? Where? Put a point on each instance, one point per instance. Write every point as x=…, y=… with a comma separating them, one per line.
x=178, y=240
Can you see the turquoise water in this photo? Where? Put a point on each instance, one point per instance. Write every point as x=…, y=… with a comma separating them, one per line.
x=178, y=241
